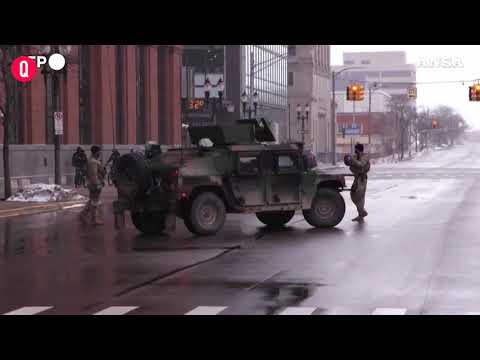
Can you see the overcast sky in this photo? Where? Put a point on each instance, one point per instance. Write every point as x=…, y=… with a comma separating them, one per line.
x=464, y=65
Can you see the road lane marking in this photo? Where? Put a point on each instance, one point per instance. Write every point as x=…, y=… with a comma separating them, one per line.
x=206, y=310
x=29, y=310
x=116, y=310
x=298, y=310
x=389, y=311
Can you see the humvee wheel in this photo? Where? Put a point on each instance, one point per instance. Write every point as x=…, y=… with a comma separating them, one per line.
x=149, y=223
x=275, y=218
x=328, y=209
x=206, y=215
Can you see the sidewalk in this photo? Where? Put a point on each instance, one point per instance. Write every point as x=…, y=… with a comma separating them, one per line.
x=11, y=208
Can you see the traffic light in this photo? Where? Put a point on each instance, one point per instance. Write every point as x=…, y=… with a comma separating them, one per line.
x=474, y=92
x=350, y=93
x=355, y=92
x=360, y=93
x=434, y=124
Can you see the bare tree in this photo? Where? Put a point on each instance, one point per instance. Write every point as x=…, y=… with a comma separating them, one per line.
x=450, y=122
x=6, y=54
x=404, y=115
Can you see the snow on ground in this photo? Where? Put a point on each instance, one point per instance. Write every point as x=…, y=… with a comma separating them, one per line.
x=395, y=159
x=43, y=193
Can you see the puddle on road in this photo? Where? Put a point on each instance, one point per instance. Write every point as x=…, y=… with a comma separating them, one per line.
x=278, y=296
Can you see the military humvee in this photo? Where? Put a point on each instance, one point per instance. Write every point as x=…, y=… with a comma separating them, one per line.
x=228, y=169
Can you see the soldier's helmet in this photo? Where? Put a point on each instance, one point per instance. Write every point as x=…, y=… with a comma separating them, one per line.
x=95, y=149
x=359, y=147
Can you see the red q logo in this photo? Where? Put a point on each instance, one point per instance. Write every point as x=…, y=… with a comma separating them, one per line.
x=24, y=69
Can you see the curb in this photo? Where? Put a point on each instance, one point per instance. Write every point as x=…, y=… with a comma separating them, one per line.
x=37, y=209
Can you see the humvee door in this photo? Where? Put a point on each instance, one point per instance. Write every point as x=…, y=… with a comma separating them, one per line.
x=283, y=183
x=248, y=184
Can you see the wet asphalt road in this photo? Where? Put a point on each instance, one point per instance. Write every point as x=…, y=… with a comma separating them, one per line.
x=417, y=253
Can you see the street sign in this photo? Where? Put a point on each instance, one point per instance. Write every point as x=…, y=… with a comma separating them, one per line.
x=352, y=129
x=58, y=118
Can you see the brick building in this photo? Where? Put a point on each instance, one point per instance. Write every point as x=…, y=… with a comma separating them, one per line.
x=109, y=94
x=377, y=132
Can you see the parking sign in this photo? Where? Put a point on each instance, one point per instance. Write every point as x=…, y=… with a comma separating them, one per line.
x=58, y=118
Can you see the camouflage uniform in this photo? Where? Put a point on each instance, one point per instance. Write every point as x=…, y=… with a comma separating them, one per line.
x=95, y=181
x=359, y=166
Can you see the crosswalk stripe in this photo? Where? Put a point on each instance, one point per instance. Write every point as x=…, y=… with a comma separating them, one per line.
x=116, y=310
x=29, y=310
x=389, y=311
x=297, y=310
x=206, y=310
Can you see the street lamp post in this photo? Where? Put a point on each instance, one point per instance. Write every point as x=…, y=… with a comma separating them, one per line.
x=302, y=115
x=253, y=104
x=63, y=50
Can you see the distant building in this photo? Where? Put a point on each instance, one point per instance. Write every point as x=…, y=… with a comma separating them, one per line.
x=309, y=83
x=388, y=69
x=389, y=74
x=232, y=64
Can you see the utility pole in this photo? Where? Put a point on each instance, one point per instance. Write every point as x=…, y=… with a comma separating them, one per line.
x=333, y=123
x=252, y=79
x=354, y=126
x=369, y=112
x=56, y=107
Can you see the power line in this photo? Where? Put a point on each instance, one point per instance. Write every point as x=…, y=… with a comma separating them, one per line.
x=411, y=82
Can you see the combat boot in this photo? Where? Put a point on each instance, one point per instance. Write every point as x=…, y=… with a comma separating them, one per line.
x=98, y=216
x=86, y=215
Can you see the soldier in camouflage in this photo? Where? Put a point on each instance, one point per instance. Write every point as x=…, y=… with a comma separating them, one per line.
x=95, y=181
x=359, y=165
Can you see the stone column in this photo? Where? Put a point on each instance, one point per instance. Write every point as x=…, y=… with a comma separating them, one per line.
x=151, y=93
x=70, y=93
x=103, y=93
x=35, y=111
x=130, y=95
x=170, y=64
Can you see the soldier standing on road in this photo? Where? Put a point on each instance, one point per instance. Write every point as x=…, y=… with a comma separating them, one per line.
x=79, y=162
x=113, y=159
x=359, y=165
x=95, y=181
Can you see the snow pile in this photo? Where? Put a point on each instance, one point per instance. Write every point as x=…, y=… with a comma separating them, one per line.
x=45, y=193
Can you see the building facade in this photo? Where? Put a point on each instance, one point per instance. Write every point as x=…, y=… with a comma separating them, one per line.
x=231, y=63
x=309, y=83
x=120, y=95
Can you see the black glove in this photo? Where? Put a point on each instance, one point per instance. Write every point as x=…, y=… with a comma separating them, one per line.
x=347, y=160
